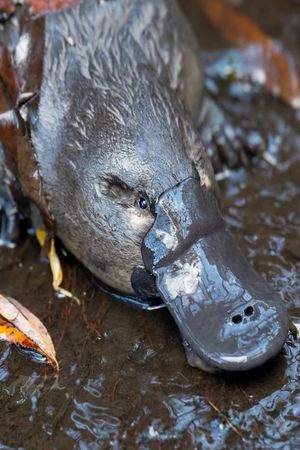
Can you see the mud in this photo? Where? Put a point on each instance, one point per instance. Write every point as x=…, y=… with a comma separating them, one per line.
x=124, y=381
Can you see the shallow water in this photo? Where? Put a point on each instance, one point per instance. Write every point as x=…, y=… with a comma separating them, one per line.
x=124, y=381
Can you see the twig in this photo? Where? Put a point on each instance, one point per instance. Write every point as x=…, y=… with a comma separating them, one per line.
x=224, y=417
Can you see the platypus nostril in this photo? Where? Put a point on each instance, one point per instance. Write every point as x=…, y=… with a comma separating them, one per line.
x=249, y=311
x=237, y=319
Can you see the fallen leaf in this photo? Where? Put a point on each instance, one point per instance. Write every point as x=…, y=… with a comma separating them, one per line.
x=280, y=75
x=37, y=6
x=41, y=235
x=19, y=326
x=55, y=265
x=7, y=6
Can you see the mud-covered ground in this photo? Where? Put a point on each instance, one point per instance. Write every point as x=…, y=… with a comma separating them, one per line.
x=124, y=380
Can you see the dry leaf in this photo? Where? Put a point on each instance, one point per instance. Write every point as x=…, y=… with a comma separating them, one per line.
x=7, y=6
x=41, y=236
x=55, y=265
x=37, y=6
x=281, y=77
x=19, y=326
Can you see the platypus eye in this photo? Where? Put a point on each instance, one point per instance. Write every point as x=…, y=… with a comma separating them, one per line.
x=143, y=203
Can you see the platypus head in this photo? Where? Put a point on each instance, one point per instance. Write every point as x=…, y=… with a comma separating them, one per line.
x=135, y=204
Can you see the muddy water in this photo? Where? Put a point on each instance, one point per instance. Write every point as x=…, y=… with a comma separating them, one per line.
x=124, y=381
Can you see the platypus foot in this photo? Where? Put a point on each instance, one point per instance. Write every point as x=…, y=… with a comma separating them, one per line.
x=228, y=146
x=231, y=148
x=9, y=229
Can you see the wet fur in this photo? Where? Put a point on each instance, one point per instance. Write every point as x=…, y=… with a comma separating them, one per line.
x=132, y=118
x=121, y=86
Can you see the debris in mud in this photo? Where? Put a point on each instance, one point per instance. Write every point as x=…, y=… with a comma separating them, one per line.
x=271, y=66
x=19, y=326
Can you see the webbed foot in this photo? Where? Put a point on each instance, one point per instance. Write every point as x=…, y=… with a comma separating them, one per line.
x=228, y=146
x=9, y=229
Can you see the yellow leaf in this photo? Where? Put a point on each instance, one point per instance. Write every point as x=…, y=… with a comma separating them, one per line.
x=41, y=236
x=55, y=265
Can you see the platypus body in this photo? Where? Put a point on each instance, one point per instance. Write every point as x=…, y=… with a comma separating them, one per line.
x=101, y=108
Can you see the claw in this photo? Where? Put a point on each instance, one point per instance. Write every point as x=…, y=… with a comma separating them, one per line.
x=269, y=159
x=220, y=176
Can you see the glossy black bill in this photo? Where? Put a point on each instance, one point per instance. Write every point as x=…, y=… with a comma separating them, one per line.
x=226, y=312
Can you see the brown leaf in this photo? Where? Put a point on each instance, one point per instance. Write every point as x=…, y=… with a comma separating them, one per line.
x=281, y=77
x=37, y=6
x=19, y=326
x=7, y=6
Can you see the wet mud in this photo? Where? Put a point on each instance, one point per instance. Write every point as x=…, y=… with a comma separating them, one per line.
x=124, y=380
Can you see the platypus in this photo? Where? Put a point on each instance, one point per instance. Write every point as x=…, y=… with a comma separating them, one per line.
x=103, y=118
